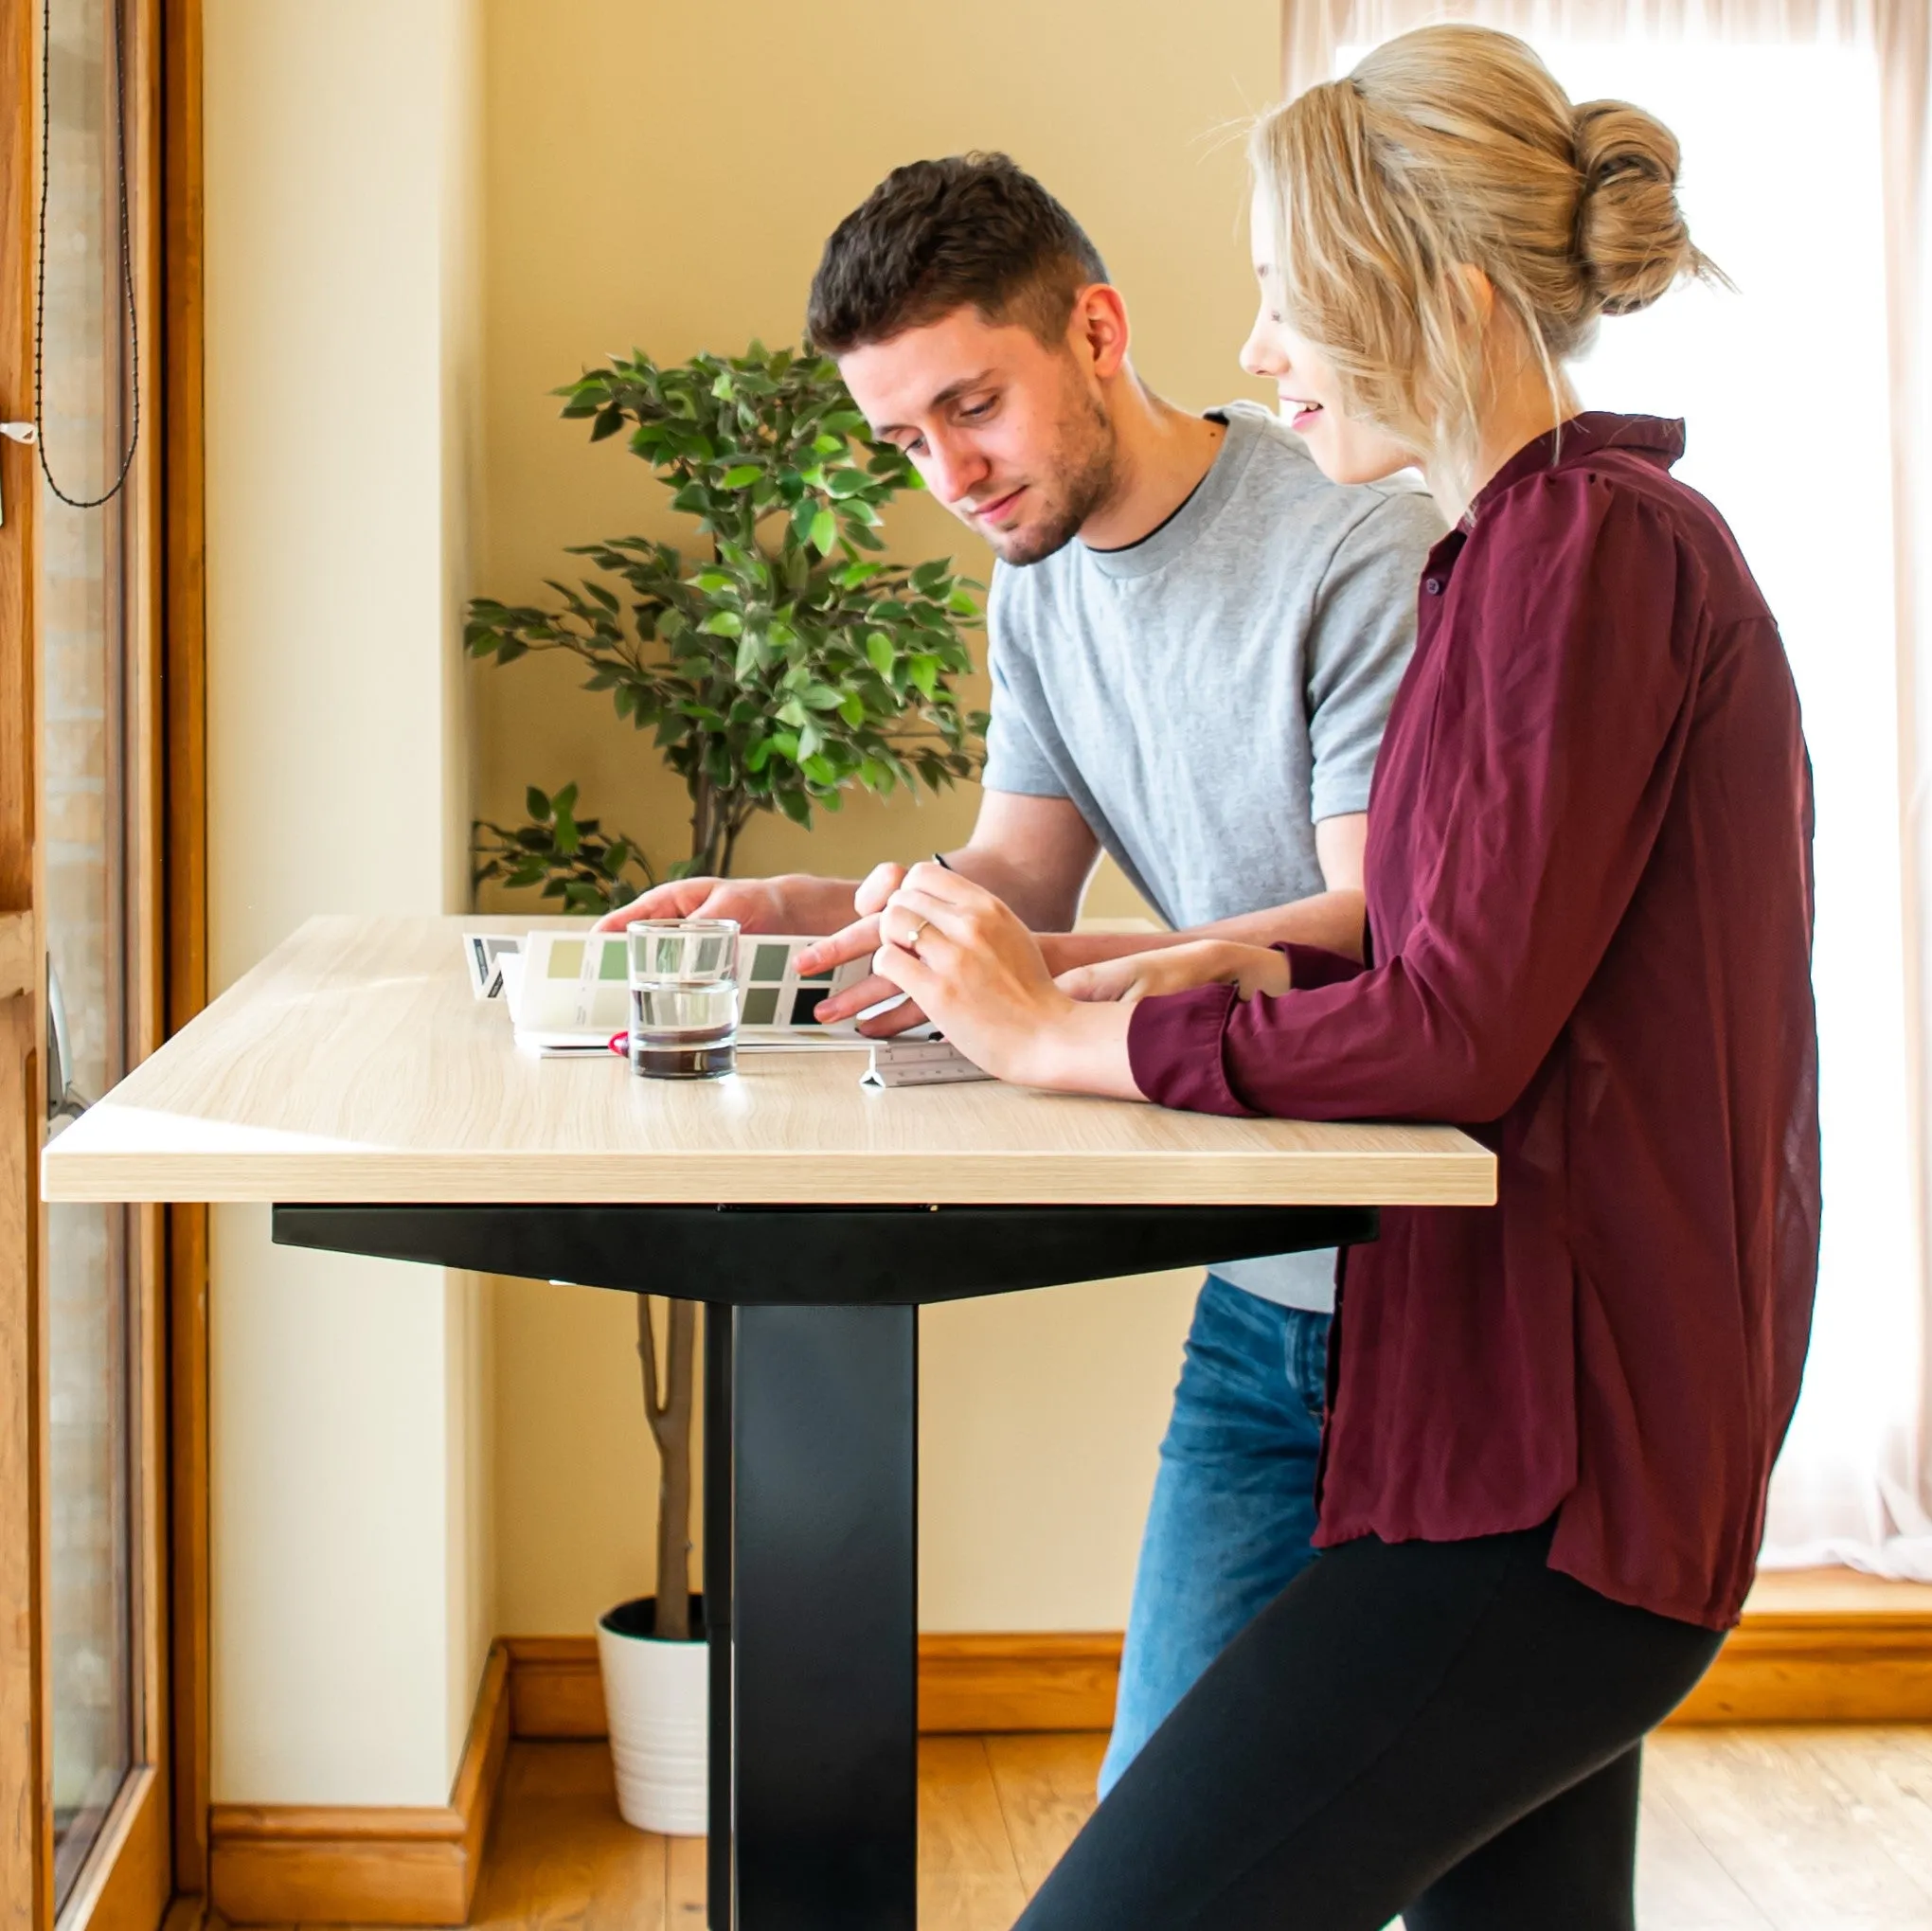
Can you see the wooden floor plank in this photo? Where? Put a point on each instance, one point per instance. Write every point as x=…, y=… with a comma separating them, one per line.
x=1803, y=1855
x=1680, y=1884
x=1882, y=1783
x=968, y=1880
x=1762, y=1828
x=684, y=1884
x=559, y=1857
x=1045, y=1786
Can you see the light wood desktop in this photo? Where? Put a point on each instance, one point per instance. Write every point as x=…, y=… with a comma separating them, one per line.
x=353, y=1064
x=353, y=1081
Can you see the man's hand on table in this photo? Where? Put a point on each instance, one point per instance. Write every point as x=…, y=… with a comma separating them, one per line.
x=795, y=903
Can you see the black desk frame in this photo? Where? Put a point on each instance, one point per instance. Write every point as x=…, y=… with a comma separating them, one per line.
x=811, y=1465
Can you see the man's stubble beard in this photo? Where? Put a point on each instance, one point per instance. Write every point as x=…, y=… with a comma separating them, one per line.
x=1084, y=479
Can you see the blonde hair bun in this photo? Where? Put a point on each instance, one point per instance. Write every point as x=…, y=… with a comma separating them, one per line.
x=1453, y=147
x=1632, y=240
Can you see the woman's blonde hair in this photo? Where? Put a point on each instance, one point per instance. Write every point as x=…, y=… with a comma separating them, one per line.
x=1449, y=148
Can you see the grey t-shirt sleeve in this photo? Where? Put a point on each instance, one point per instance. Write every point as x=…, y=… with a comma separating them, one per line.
x=1362, y=632
x=1020, y=740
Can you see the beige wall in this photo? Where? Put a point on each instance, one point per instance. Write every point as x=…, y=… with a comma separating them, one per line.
x=653, y=179
x=353, y=1575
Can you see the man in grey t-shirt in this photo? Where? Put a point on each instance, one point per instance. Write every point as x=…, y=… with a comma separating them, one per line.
x=1211, y=697
x=1195, y=641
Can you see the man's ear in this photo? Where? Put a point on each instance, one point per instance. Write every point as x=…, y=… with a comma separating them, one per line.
x=1097, y=330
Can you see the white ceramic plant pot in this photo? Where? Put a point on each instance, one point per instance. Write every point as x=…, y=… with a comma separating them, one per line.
x=657, y=1702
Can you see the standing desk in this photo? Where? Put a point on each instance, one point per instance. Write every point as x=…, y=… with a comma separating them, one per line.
x=351, y=1081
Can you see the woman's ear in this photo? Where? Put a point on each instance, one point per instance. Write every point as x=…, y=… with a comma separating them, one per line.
x=1481, y=291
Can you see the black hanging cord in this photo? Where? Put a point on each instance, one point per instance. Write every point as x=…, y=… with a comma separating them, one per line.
x=40, y=293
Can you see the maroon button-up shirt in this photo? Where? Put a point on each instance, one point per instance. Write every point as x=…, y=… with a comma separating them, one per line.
x=1590, y=914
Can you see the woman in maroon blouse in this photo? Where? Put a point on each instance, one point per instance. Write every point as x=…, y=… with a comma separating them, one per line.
x=1588, y=942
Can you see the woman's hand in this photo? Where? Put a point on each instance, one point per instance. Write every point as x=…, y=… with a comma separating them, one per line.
x=1178, y=969
x=967, y=960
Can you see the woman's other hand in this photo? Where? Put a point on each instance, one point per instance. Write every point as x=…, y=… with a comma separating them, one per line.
x=969, y=963
x=1178, y=969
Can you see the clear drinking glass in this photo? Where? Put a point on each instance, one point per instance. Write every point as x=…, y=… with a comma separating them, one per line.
x=684, y=998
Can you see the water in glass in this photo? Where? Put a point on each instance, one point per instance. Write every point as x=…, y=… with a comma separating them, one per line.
x=684, y=998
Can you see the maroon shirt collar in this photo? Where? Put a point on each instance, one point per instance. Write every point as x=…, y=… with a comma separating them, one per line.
x=1659, y=437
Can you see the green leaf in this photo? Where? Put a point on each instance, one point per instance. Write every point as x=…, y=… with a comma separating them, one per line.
x=536, y=803
x=740, y=475
x=722, y=623
x=824, y=533
x=879, y=654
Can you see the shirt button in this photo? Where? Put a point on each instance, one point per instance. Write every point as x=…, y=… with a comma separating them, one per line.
x=1432, y=586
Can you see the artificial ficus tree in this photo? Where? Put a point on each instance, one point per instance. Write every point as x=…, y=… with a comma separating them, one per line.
x=792, y=661
x=785, y=665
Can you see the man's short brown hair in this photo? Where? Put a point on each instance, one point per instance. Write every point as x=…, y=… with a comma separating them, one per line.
x=936, y=236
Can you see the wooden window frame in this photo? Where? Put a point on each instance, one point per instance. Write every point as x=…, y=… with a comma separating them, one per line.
x=184, y=816
x=151, y=1847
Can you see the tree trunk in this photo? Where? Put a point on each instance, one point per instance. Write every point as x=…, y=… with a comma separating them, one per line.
x=734, y=825
x=708, y=829
x=668, y=1398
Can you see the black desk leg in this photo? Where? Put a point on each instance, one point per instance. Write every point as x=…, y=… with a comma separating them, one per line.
x=823, y=1618
x=719, y=1912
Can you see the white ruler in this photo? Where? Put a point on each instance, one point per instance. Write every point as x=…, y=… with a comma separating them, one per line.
x=918, y=1063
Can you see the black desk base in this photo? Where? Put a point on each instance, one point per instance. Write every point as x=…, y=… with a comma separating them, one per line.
x=811, y=1477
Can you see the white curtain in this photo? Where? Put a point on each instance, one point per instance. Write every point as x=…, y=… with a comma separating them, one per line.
x=1809, y=399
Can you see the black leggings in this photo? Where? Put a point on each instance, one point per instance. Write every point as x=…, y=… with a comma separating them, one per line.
x=1448, y=1731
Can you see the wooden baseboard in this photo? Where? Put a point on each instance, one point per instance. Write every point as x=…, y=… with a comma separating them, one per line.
x=288, y=1864
x=556, y=1691
x=1822, y=1646
x=1815, y=1647
x=1006, y=1683
x=966, y=1684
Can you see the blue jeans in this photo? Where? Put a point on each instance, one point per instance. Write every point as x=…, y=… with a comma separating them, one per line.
x=1233, y=1504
